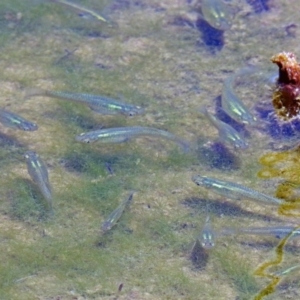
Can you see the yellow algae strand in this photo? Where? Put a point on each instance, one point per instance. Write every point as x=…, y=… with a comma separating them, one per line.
x=292, y=174
x=284, y=209
x=270, y=159
x=261, y=270
x=285, y=165
x=267, y=173
x=285, y=191
x=269, y=289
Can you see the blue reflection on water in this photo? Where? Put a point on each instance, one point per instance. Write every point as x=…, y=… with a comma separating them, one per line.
x=275, y=127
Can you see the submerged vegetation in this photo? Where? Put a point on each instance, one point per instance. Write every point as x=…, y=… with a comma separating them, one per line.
x=147, y=55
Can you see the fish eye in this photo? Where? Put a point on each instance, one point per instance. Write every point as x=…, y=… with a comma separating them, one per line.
x=131, y=113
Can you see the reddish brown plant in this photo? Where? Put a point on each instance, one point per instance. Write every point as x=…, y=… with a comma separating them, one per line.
x=286, y=96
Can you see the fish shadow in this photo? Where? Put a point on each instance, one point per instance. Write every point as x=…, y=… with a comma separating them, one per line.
x=83, y=162
x=269, y=244
x=259, y=6
x=6, y=140
x=217, y=156
x=213, y=38
x=224, y=208
x=198, y=257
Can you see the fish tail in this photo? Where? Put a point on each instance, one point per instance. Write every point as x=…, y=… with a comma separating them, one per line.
x=186, y=147
x=32, y=92
x=203, y=110
x=228, y=231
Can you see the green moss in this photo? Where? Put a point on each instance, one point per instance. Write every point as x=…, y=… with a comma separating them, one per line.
x=91, y=162
x=177, y=159
x=101, y=196
x=74, y=115
x=25, y=201
x=11, y=150
x=238, y=272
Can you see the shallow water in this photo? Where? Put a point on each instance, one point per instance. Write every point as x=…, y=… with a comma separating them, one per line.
x=154, y=54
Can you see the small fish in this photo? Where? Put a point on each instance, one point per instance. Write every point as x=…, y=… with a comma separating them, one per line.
x=286, y=271
x=97, y=103
x=124, y=134
x=217, y=14
x=39, y=174
x=113, y=218
x=227, y=134
x=207, y=236
x=81, y=9
x=234, y=190
x=13, y=120
x=232, y=105
x=278, y=231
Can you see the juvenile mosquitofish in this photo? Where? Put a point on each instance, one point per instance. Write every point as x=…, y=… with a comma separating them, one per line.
x=278, y=232
x=231, y=104
x=207, y=236
x=39, y=174
x=81, y=8
x=217, y=14
x=124, y=134
x=234, y=190
x=13, y=120
x=98, y=103
x=113, y=218
x=227, y=134
x=286, y=271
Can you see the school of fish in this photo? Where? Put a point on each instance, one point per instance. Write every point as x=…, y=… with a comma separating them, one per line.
x=218, y=15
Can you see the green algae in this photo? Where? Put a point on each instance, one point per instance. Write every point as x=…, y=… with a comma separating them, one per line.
x=239, y=273
x=26, y=202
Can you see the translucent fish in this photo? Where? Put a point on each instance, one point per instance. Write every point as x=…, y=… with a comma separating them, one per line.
x=231, y=104
x=13, y=120
x=286, y=271
x=98, y=103
x=227, y=134
x=81, y=9
x=39, y=174
x=207, y=236
x=124, y=134
x=234, y=190
x=277, y=231
x=217, y=14
x=114, y=217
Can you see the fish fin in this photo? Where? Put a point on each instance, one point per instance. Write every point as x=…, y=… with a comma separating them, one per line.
x=122, y=139
x=186, y=147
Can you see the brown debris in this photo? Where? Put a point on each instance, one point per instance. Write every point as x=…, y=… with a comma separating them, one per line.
x=286, y=97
